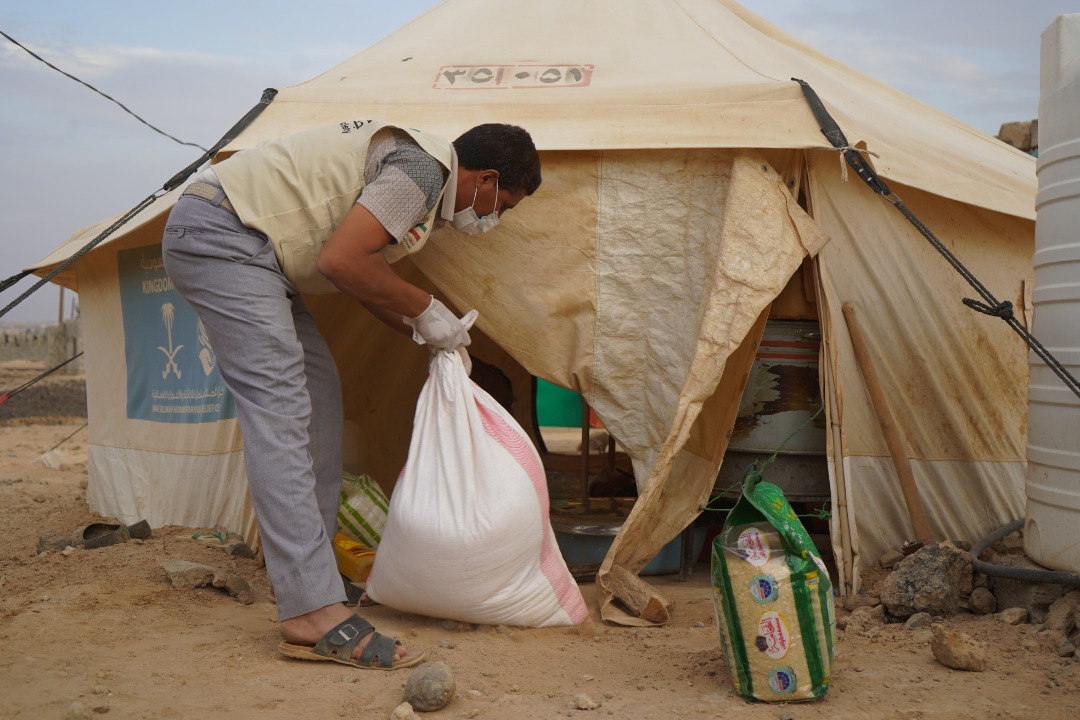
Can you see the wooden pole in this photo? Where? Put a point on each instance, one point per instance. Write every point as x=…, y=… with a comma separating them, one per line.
x=916, y=511
x=584, y=453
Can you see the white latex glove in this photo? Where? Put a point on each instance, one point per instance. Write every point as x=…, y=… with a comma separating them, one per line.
x=439, y=328
x=465, y=359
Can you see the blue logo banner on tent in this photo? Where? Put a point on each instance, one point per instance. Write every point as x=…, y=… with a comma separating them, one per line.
x=172, y=373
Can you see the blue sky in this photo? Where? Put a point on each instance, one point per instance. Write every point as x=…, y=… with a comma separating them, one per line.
x=71, y=158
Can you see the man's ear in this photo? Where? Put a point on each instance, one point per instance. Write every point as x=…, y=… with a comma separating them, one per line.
x=488, y=176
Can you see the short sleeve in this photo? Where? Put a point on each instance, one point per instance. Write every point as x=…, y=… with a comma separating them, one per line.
x=402, y=182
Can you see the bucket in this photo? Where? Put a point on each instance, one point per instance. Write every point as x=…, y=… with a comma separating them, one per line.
x=782, y=392
x=557, y=406
x=586, y=541
x=1053, y=451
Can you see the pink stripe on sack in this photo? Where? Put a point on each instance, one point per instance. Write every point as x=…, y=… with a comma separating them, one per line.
x=551, y=562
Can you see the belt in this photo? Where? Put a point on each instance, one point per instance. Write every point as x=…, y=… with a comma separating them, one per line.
x=206, y=191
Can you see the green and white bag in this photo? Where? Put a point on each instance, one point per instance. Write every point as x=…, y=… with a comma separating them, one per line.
x=362, y=512
x=773, y=599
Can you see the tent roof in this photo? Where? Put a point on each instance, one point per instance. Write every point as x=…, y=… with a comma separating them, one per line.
x=624, y=74
x=611, y=74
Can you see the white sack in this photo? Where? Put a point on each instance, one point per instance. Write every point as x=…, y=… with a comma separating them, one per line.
x=468, y=536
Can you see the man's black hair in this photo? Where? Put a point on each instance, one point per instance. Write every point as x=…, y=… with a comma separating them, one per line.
x=506, y=148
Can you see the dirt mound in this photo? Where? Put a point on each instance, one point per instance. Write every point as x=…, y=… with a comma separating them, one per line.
x=56, y=399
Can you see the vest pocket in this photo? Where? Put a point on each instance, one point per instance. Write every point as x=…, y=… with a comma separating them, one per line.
x=299, y=255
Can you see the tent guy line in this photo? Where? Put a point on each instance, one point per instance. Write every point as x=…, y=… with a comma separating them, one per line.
x=174, y=182
x=107, y=97
x=992, y=306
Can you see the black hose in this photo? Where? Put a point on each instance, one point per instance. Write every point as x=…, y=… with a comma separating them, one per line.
x=1015, y=573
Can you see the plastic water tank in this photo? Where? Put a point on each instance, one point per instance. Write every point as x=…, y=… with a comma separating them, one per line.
x=1052, y=527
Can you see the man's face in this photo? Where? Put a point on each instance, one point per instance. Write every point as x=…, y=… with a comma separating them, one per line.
x=485, y=196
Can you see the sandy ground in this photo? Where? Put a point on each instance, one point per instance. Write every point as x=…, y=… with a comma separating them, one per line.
x=91, y=633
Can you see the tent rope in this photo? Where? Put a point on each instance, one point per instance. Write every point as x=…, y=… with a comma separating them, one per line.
x=174, y=182
x=8, y=282
x=989, y=305
x=843, y=151
x=123, y=107
x=4, y=397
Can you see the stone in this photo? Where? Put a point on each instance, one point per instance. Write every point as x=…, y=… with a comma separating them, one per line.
x=1065, y=649
x=1013, y=616
x=1017, y=134
x=404, y=711
x=1062, y=613
x=931, y=580
x=982, y=601
x=865, y=618
x=923, y=636
x=957, y=650
x=184, y=574
x=240, y=549
x=430, y=687
x=1035, y=597
x=853, y=602
x=582, y=701
x=50, y=540
x=919, y=620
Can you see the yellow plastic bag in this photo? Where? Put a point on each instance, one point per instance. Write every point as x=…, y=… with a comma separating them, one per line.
x=354, y=559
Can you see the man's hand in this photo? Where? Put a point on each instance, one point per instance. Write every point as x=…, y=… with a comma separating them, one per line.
x=439, y=328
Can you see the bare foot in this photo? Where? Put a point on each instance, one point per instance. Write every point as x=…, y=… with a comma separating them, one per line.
x=309, y=629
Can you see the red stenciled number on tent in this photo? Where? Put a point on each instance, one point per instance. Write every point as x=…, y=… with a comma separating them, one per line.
x=512, y=77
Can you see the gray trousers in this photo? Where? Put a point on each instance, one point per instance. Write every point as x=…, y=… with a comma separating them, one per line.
x=287, y=390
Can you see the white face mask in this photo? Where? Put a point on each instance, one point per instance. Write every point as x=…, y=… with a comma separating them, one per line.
x=468, y=222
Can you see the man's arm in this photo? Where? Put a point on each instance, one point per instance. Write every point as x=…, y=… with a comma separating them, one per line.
x=351, y=260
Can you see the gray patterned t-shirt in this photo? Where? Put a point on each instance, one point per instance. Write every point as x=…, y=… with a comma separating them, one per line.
x=401, y=182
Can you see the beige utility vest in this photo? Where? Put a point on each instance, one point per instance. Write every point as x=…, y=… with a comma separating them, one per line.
x=298, y=188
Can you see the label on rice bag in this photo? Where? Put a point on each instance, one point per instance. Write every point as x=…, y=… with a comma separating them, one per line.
x=782, y=681
x=764, y=588
x=753, y=546
x=773, y=637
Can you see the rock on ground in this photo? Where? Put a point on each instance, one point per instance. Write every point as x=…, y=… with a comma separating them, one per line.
x=404, y=711
x=864, y=618
x=430, y=687
x=982, y=601
x=184, y=574
x=582, y=701
x=932, y=580
x=919, y=620
x=957, y=650
x=1063, y=612
x=1013, y=616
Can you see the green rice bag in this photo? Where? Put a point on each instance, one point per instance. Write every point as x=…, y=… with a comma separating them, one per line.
x=362, y=513
x=773, y=599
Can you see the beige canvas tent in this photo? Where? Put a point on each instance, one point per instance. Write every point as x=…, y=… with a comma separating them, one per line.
x=686, y=187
